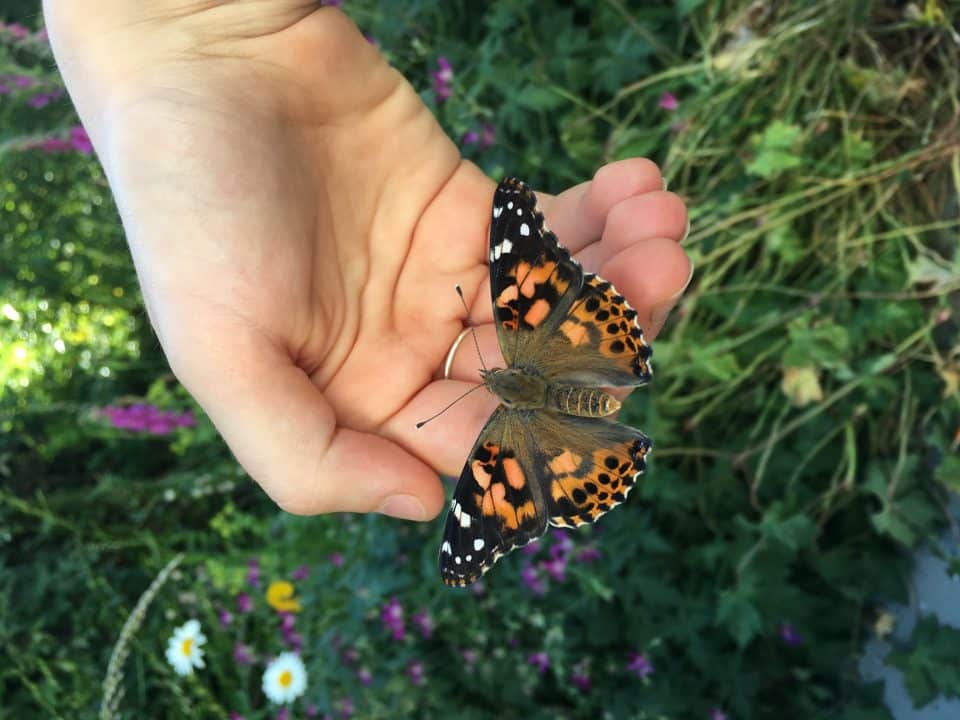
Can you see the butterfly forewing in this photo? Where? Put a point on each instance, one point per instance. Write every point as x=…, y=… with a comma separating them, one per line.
x=494, y=507
x=533, y=279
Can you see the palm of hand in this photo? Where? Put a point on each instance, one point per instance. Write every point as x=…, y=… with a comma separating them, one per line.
x=298, y=234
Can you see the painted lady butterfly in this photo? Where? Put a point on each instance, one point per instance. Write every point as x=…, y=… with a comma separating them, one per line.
x=547, y=455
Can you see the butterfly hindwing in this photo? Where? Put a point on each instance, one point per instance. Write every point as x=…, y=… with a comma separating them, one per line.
x=591, y=466
x=494, y=507
x=599, y=342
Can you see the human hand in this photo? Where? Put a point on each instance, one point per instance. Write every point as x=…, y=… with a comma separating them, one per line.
x=298, y=221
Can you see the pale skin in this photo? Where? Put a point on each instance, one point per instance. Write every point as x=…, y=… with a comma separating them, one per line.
x=299, y=220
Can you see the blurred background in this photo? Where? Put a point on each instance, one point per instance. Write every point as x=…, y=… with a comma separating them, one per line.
x=805, y=409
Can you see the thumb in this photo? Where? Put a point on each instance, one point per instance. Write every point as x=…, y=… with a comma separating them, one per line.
x=285, y=434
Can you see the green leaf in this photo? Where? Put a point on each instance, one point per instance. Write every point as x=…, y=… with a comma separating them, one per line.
x=930, y=666
x=777, y=149
x=948, y=472
x=738, y=613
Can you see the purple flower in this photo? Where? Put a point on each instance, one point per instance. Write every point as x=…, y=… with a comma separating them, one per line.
x=424, y=623
x=415, y=672
x=244, y=603
x=580, y=677
x=532, y=580
x=639, y=665
x=717, y=714
x=17, y=30
x=311, y=710
x=332, y=3
x=336, y=559
x=283, y=714
x=371, y=39
x=562, y=544
x=80, y=141
x=555, y=567
x=392, y=618
x=236, y=716
x=488, y=136
x=589, y=555
x=469, y=658
x=472, y=137
x=540, y=660
x=478, y=588
x=442, y=79
x=668, y=102
x=790, y=635
x=40, y=100
x=226, y=617
x=301, y=573
x=242, y=654
x=139, y=417
x=346, y=707
x=350, y=655
x=253, y=573
x=365, y=677
x=531, y=548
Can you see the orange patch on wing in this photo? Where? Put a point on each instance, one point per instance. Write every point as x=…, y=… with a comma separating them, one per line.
x=565, y=463
x=480, y=474
x=509, y=293
x=514, y=474
x=575, y=333
x=534, y=276
x=527, y=510
x=537, y=312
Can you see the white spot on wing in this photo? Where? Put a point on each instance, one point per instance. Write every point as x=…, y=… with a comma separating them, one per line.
x=497, y=211
x=464, y=520
x=524, y=229
x=446, y=548
x=457, y=560
x=477, y=544
x=519, y=211
x=510, y=205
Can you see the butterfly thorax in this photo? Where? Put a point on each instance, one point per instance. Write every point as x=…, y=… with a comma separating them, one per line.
x=522, y=388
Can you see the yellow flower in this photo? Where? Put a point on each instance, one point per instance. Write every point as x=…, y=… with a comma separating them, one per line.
x=280, y=596
x=801, y=385
x=884, y=624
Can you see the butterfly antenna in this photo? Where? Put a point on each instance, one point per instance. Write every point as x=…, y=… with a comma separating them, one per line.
x=473, y=332
x=432, y=417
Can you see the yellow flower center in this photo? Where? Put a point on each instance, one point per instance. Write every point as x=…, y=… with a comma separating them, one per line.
x=286, y=677
x=186, y=646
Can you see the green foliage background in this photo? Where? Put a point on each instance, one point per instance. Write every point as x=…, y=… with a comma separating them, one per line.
x=805, y=408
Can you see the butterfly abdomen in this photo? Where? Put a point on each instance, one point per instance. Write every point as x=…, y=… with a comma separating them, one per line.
x=581, y=401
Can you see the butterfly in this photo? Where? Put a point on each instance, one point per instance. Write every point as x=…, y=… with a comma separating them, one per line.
x=548, y=455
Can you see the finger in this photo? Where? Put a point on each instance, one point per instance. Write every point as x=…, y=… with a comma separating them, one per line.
x=657, y=214
x=285, y=435
x=578, y=215
x=652, y=274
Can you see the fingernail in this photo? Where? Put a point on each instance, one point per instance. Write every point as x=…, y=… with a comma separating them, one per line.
x=405, y=507
x=658, y=315
x=686, y=234
x=664, y=183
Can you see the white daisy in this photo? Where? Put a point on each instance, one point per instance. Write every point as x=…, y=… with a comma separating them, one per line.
x=285, y=678
x=183, y=648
